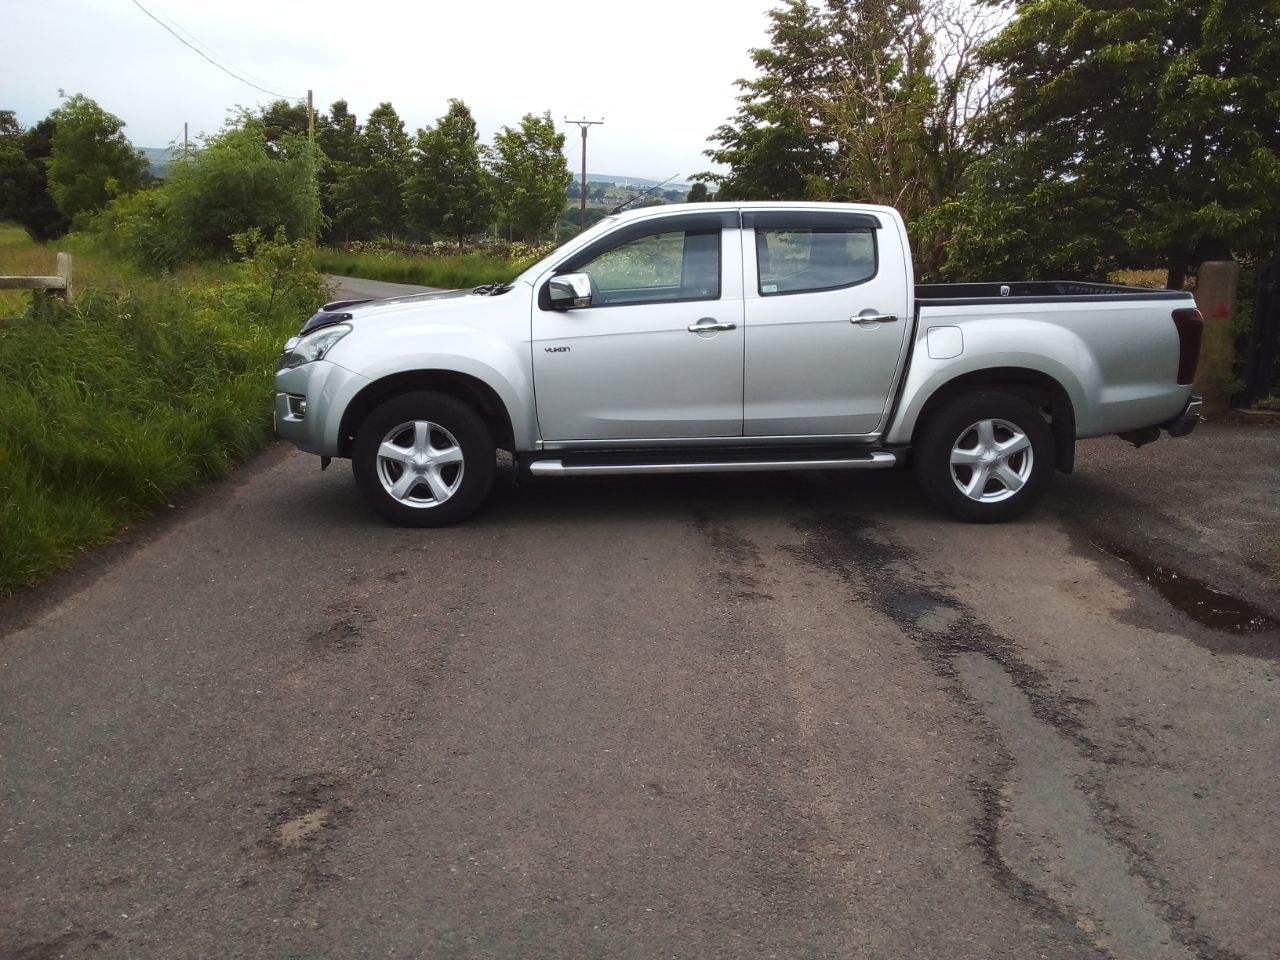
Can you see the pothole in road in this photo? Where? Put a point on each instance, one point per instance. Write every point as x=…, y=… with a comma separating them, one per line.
x=293, y=833
x=309, y=805
x=1199, y=601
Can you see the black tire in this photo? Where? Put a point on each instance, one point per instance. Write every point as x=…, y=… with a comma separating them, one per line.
x=449, y=426
x=991, y=497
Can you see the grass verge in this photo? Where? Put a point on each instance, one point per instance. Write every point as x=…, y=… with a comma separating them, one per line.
x=137, y=390
x=429, y=266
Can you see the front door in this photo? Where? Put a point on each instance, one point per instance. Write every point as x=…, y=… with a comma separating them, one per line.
x=640, y=363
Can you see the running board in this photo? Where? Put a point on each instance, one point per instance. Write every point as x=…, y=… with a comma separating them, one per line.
x=558, y=468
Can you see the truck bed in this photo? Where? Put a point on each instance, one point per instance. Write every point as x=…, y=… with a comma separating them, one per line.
x=1035, y=291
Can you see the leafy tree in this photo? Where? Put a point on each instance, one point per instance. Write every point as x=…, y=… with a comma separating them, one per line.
x=1154, y=128
x=769, y=145
x=1011, y=222
x=448, y=190
x=532, y=175
x=24, y=187
x=231, y=185
x=283, y=120
x=866, y=100
x=338, y=137
x=369, y=193
x=697, y=194
x=568, y=223
x=91, y=160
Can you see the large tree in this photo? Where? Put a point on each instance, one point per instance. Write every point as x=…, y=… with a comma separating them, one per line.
x=91, y=160
x=448, y=190
x=770, y=145
x=531, y=174
x=369, y=194
x=284, y=121
x=338, y=137
x=24, y=186
x=1141, y=133
x=868, y=100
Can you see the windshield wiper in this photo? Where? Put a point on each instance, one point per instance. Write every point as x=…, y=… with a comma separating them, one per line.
x=492, y=289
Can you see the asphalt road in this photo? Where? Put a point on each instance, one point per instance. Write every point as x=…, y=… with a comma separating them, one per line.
x=793, y=716
x=351, y=288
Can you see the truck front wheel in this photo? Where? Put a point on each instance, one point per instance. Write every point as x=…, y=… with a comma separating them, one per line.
x=985, y=457
x=423, y=459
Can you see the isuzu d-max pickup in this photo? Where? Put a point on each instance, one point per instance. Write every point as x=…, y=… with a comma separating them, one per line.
x=735, y=337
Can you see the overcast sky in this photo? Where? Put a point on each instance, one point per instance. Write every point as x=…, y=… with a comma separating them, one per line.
x=660, y=72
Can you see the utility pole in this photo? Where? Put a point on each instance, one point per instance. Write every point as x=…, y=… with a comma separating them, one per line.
x=185, y=145
x=311, y=120
x=584, y=125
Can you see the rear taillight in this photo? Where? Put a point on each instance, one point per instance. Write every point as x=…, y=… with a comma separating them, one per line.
x=1190, y=326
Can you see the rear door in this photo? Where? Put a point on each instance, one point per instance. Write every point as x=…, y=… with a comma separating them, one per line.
x=658, y=353
x=825, y=301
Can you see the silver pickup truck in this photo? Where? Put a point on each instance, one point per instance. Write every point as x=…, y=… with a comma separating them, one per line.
x=735, y=337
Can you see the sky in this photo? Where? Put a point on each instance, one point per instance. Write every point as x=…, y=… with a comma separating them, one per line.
x=659, y=72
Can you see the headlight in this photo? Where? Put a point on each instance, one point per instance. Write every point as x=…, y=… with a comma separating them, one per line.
x=314, y=346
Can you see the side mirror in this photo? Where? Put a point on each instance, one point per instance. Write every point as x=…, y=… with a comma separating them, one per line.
x=570, y=290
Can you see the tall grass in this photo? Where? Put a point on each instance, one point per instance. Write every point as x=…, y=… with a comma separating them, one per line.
x=135, y=391
x=450, y=271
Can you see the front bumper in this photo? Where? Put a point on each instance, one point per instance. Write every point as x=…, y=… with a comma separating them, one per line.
x=310, y=401
x=1186, y=421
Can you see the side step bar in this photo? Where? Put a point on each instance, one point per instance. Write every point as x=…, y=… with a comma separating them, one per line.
x=558, y=468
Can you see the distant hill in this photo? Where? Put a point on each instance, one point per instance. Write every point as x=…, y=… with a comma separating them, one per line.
x=639, y=182
x=159, y=158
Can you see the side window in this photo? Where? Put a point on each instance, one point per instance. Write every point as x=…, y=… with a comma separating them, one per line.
x=677, y=265
x=801, y=259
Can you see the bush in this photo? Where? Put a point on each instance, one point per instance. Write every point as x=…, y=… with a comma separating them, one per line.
x=116, y=402
x=235, y=183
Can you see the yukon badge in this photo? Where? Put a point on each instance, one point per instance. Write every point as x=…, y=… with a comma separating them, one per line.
x=556, y=349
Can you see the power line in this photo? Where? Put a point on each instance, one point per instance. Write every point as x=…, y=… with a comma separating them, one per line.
x=164, y=15
x=206, y=57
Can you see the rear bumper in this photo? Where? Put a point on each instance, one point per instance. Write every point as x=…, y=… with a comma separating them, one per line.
x=1186, y=421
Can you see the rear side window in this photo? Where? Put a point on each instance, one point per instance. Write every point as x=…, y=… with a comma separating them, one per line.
x=802, y=259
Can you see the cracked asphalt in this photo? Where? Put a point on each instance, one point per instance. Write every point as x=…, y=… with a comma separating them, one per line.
x=792, y=716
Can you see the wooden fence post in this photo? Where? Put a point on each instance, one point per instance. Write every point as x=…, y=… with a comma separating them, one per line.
x=1216, y=282
x=64, y=271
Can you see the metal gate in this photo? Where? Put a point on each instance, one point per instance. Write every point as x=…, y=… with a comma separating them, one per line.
x=1262, y=355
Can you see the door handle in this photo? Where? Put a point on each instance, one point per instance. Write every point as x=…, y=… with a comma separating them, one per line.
x=873, y=318
x=710, y=325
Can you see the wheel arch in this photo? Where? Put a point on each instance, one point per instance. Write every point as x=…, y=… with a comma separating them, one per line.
x=471, y=390
x=1034, y=386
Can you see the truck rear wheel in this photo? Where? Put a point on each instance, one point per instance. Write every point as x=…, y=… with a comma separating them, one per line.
x=985, y=457
x=423, y=459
